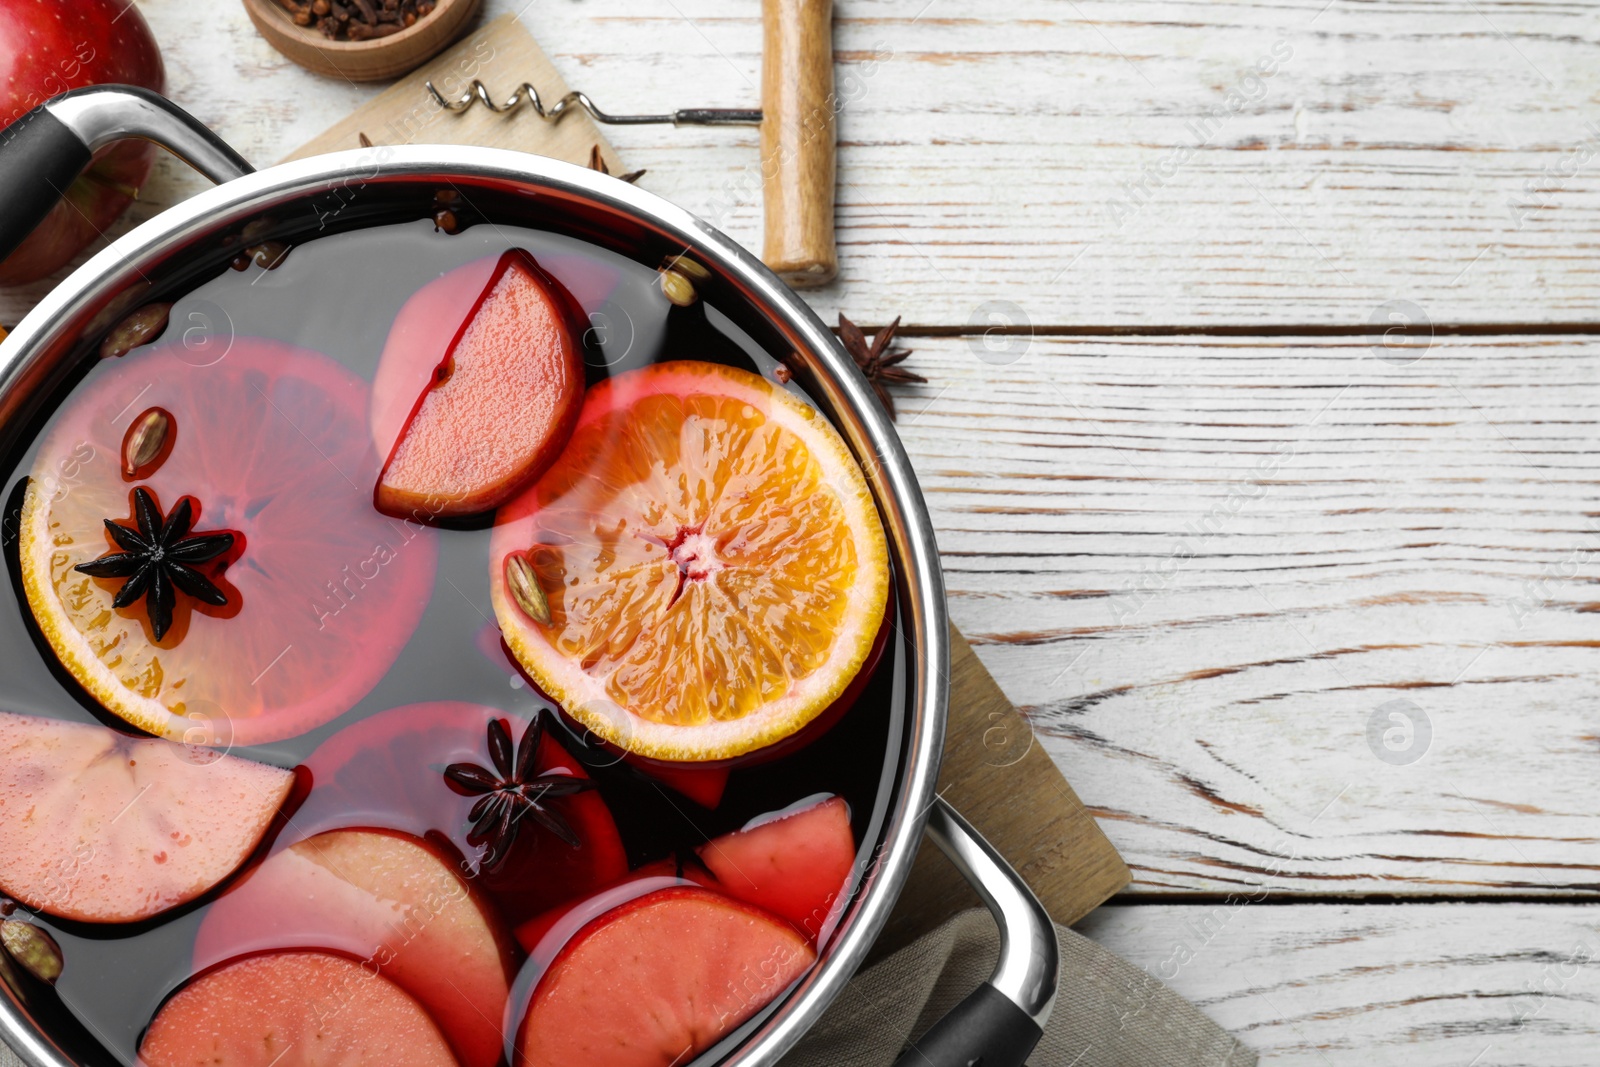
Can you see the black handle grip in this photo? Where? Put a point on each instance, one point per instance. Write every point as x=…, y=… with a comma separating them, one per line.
x=985, y=1030
x=39, y=158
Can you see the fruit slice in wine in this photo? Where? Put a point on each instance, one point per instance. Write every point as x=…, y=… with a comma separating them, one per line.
x=659, y=980
x=710, y=559
x=293, y=1009
x=102, y=827
x=795, y=865
x=479, y=386
x=385, y=772
x=271, y=444
x=389, y=901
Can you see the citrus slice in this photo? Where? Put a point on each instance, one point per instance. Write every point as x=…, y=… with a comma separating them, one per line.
x=710, y=564
x=271, y=444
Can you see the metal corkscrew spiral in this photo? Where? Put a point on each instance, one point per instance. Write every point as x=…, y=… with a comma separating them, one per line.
x=527, y=94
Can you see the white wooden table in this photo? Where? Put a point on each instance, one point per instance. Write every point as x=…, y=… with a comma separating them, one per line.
x=1306, y=618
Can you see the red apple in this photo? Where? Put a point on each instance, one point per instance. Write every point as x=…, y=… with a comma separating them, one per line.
x=46, y=48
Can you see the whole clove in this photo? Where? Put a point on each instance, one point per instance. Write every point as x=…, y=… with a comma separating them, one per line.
x=360, y=31
x=444, y=210
x=597, y=162
x=358, y=20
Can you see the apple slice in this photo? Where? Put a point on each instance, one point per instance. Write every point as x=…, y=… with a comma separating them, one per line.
x=479, y=386
x=102, y=827
x=796, y=865
x=703, y=785
x=383, y=772
x=659, y=980
x=385, y=899
x=293, y=1009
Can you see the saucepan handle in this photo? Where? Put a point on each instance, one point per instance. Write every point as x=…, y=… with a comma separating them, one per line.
x=44, y=151
x=1001, y=1022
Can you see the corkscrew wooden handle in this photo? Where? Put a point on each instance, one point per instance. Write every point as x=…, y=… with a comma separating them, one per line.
x=798, y=140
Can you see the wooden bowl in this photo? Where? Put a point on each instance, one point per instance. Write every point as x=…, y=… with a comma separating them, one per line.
x=362, y=61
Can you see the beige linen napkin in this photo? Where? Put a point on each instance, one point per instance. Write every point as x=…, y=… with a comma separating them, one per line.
x=1108, y=1012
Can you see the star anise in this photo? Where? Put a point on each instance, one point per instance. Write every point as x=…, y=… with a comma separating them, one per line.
x=877, y=363
x=599, y=164
x=509, y=791
x=157, y=560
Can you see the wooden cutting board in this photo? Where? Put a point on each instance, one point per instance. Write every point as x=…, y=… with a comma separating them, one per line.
x=993, y=772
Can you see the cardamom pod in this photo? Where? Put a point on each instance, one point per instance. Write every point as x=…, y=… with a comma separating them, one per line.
x=9, y=975
x=32, y=948
x=256, y=229
x=139, y=327
x=689, y=268
x=146, y=437
x=678, y=288
x=524, y=586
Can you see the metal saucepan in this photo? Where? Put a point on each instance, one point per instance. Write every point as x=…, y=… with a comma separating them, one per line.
x=43, y=152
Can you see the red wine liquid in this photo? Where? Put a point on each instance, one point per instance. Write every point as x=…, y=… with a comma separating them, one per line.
x=337, y=294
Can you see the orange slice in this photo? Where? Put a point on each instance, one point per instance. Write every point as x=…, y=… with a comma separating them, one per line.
x=711, y=558
x=270, y=443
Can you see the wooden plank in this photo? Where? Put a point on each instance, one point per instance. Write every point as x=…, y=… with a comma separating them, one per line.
x=1442, y=985
x=1038, y=153
x=1435, y=153
x=1206, y=568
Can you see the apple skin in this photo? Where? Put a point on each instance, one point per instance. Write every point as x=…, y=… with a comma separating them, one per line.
x=46, y=48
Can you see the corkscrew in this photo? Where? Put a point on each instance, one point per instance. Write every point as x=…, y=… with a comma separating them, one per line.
x=478, y=93
x=798, y=138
